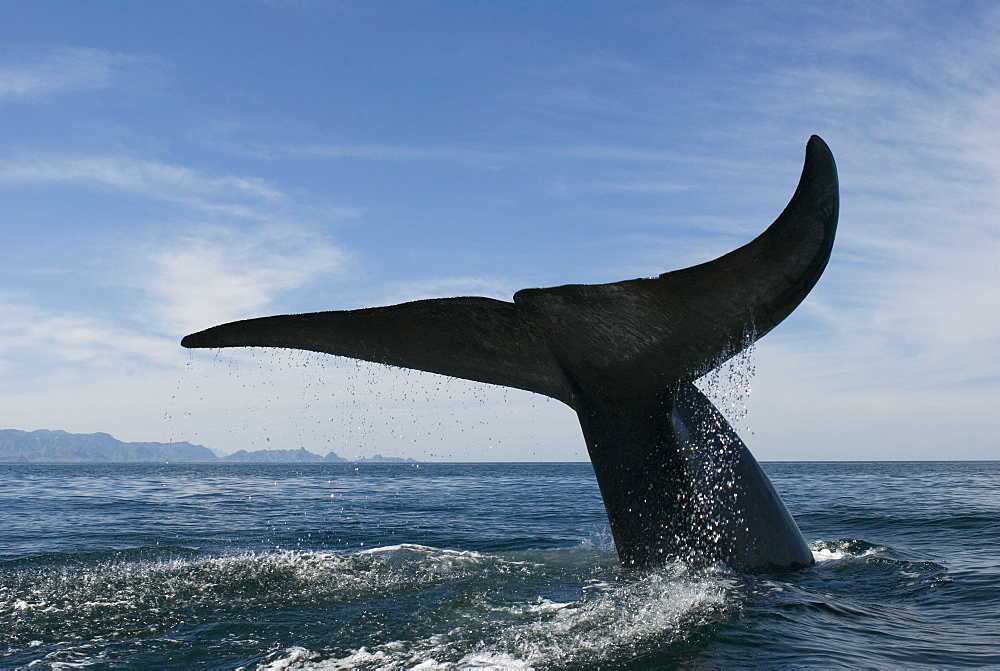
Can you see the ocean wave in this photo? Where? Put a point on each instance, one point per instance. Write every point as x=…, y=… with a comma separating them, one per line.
x=115, y=580
x=824, y=551
x=608, y=621
x=474, y=610
x=417, y=606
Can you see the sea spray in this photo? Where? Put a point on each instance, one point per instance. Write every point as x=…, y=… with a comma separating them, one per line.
x=728, y=386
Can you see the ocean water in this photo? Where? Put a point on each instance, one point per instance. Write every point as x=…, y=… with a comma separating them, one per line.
x=439, y=566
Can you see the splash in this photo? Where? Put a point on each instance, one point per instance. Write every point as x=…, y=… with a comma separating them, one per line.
x=713, y=502
x=828, y=551
x=610, y=622
x=728, y=385
x=465, y=609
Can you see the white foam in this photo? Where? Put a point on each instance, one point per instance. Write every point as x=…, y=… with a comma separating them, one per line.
x=826, y=554
x=826, y=551
x=659, y=607
x=484, y=660
x=545, y=606
x=295, y=655
x=421, y=549
x=105, y=593
x=653, y=607
x=491, y=629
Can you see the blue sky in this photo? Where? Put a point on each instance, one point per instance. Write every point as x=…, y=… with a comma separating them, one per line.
x=166, y=166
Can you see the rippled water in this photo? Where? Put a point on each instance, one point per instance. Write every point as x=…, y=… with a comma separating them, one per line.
x=478, y=565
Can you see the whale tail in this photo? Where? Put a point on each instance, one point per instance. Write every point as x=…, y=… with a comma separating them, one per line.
x=623, y=355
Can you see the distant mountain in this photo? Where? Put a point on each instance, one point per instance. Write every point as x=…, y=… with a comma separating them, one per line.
x=274, y=456
x=44, y=446
x=387, y=460
x=60, y=447
x=303, y=455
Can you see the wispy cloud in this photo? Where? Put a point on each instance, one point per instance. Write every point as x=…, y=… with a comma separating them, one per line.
x=920, y=182
x=227, y=195
x=63, y=69
x=30, y=333
x=588, y=83
x=364, y=152
x=387, y=152
x=228, y=266
x=224, y=274
x=638, y=186
x=184, y=284
x=903, y=325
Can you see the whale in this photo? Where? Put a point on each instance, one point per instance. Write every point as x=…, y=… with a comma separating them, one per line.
x=677, y=482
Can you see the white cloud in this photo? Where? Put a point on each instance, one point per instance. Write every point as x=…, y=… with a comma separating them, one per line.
x=920, y=207
x=207, y=273
x=901, y=358
x=621, y=153
x=223, y=274
x=378, y=152
x=641, y=186
x=240, y=197
x=32, y=336
x=802, y=408
x=63, y=69
x=76, y=371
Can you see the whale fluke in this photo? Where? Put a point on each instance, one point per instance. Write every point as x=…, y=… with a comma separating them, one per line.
x=676, y=480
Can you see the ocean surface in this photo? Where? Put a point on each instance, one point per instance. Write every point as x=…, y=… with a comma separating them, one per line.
x=386, y=566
